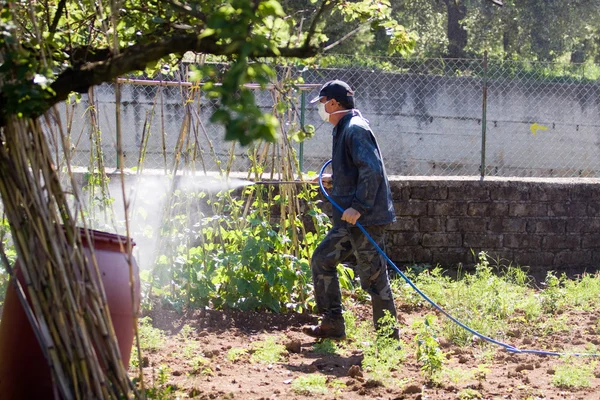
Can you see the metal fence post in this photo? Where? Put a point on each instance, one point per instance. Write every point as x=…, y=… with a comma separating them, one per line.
x=302, y=114
x=301, y=150
x=118, y=124
x=483, y=115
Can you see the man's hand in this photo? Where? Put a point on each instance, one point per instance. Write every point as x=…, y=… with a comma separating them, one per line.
x=327, y=181
x=351, y=216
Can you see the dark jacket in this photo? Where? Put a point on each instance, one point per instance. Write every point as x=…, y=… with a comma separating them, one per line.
x=359, y=178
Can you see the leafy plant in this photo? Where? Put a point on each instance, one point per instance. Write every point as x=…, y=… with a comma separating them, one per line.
x=160, y=390
x=151, y=339
x=382, y=353
x=429, y=353
x=186, y=332
x=326, y=346
x=573, y=373
x=552, y=294
x=469, y=394
x=267, y=352
x=235, y=354
x=310, y=384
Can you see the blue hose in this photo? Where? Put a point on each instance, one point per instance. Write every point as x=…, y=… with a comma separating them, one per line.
x=390, y=262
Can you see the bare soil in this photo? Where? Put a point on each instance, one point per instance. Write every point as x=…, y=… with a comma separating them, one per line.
x=508, y=375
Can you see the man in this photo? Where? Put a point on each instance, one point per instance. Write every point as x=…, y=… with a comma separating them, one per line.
x=360, y=186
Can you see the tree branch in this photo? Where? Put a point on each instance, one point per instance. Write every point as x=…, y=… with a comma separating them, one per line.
x=59, y=12
x=136, y=57
x=348, y=35
x=313, y=26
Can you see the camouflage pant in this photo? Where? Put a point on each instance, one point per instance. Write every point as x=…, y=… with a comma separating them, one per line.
x=339, y=243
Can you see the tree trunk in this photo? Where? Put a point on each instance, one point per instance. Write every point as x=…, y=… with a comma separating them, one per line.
x=457, y=34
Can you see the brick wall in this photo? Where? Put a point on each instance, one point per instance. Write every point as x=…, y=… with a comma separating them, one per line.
x=544, y=224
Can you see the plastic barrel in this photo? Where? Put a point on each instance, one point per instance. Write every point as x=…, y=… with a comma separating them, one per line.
x=24, y=371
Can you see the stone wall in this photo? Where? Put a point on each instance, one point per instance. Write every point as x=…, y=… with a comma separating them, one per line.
x=544, y=224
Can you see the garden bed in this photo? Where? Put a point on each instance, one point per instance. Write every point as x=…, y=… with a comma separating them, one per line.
x=209, y=354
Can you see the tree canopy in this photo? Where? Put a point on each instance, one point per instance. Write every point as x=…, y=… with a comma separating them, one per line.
x=539, y=30
x=49, y=49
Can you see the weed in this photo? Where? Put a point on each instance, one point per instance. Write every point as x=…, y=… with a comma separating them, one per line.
x=486, y=352
x=469, y=394
x=481, y=373
x=356, y=330
x=552, y=294
x=383, y=354
x=456, y=375
x=236, y=353
x=327, y=346
x=267, y=352
x=573, y=373
x=483, y=300
x=429, y=353
x=310, y=384
x=549, y=326
x=189, y=350
x=151, y=338
x=200, y=365
x=186, y=332
x=583, y=293
x=160, y=390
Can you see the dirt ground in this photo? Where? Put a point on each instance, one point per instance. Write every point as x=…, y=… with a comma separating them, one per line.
x=508, y=375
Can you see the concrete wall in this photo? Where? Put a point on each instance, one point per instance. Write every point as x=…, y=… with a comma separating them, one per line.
x=426, y=125
x=545, y=224
x=432, y=125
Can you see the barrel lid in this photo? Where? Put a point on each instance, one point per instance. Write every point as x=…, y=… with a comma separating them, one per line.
x=101, y=236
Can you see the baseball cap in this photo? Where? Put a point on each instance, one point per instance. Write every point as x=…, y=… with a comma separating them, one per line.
x=338, y=90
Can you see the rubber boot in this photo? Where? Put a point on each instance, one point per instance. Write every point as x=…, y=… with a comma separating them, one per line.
x=332, y=327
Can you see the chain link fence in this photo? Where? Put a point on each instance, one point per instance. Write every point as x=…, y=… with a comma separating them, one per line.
x=431, y=117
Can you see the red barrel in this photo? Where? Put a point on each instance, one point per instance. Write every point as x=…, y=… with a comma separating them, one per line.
x=24, y=372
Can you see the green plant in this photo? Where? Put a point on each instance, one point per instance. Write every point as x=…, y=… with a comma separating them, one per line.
x=346, y=277
x=10, y=253
x=582, y=293
x=310, y=384
x=200, y=365
x=326, y=346
x=549, y=326
x=267, y=351
x=429, y=353
x=236, y=353
x=160, y=390
x=572, y=373
x=242, y=259
x=189, y=350
x=484, y=300
x=469, y=394
x=456, y=375
x=186, y=332
x=551, y=296
x=151, y=339
x=382, y=354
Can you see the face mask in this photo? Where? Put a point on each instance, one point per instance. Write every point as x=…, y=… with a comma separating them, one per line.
x=322, y=113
